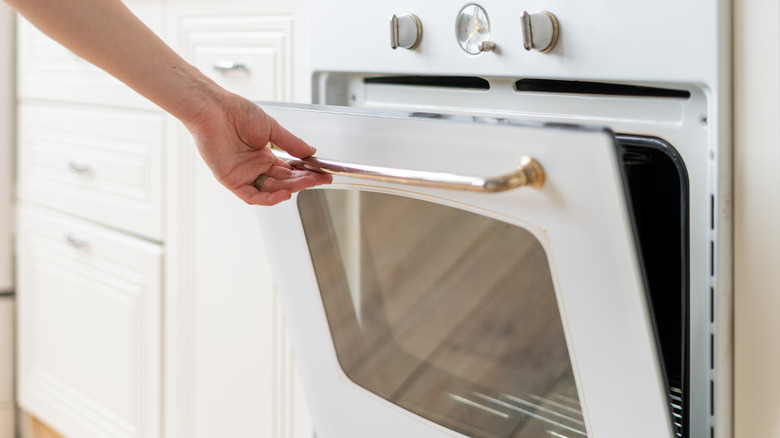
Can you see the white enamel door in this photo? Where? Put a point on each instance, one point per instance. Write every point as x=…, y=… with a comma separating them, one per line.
x=430, y=312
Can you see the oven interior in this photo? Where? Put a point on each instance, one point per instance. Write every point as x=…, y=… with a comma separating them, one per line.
x=444, y=376
x=658, y=193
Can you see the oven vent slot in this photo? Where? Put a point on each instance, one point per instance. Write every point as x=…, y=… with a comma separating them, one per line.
x=468, y=82
x=596, y=88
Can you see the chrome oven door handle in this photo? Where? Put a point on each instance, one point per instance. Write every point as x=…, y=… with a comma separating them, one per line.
x=529, y=173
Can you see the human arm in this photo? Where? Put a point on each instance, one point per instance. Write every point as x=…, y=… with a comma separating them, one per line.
x=230, y=132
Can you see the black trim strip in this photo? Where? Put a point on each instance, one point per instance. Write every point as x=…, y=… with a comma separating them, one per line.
x=432, y=81
x=596, y=88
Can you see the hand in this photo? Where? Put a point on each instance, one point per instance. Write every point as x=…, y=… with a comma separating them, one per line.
x=231, y=132
x=232, y=135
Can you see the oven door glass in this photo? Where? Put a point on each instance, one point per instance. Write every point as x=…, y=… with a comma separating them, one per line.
x=425, y=311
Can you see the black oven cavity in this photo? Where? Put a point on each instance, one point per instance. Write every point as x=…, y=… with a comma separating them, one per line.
x=658, y=192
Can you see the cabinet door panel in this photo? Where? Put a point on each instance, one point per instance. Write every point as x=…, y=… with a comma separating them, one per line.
x=231, y=345
x=105, y=166
x=89, y=327
x=6, y=366
x=47, y=70
x=251, y=56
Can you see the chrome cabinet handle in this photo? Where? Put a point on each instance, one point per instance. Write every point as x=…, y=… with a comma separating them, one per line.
x=77, y=241
x=225, y=66
x=79, y=166
x=529, y=173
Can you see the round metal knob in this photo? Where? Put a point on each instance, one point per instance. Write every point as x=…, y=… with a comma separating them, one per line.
x=405, y=31
x=540, y=31
x=486, y=46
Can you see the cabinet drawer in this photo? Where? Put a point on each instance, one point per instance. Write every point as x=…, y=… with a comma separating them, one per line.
x=89, y=326
x=251, y=56
x=105, y=166
x=47, y=70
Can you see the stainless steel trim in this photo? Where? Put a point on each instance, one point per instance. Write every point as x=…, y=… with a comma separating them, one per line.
x=525, y=30
x=394, y=31
x=529, y=173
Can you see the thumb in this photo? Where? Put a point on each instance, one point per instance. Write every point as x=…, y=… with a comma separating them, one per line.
x=285, y=139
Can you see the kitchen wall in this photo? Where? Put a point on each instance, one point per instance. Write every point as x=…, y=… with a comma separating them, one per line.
x=757, y=218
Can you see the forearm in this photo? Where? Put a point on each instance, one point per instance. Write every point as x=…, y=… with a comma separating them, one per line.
x=231, y=132
x=107, y=34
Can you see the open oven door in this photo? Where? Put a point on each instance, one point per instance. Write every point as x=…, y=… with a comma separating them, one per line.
x=419, y=311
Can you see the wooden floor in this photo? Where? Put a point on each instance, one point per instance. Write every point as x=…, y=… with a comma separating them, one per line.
x=448, y=314
x=40, y=430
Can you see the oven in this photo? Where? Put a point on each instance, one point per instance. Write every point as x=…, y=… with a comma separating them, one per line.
x=528, y=230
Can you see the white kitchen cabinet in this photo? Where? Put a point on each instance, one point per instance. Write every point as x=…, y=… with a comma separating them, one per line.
x=89, y=326
x=89, y=243
x=249, y=55
x=7, y=322
x=165, y=322
x=231, y=370
x=48, y=71
x=104, y=165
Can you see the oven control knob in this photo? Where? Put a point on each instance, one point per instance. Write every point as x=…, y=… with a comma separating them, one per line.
x=405, y=31
x=540, y=31
x=486, y=46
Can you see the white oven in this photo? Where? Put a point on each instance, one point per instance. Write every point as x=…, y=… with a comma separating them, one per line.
x=528, y=230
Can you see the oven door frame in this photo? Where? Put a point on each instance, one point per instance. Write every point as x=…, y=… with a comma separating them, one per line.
x=581, y=216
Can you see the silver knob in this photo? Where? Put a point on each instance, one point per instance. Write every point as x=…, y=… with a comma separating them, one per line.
x=405, y=31
x=486, y=46
x=540, y=31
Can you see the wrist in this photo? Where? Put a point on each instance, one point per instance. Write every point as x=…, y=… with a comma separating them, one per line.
x=195, y=95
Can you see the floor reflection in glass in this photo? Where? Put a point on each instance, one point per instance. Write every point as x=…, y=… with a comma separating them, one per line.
x=449, y=314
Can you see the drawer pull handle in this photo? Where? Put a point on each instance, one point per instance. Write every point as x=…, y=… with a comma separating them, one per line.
x=77, y=241
x=79, y=166
x=226, y=66
x=529, y=173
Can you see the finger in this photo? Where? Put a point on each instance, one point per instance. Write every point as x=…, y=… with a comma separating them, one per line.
x=268, y=199
x=286, y=173
x=289, y=142
x=279, y=172
x=252, y=196
x=295, y=183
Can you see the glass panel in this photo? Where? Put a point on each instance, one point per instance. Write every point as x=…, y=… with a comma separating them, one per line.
x=449, y=314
